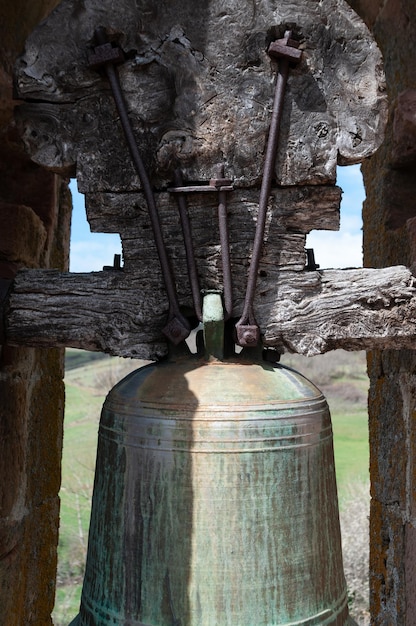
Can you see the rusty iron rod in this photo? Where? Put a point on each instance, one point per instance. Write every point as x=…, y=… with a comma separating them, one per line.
x=189, y=250
x=225, y=249
x=220, y=185
x=180, y=329
x=247, y=328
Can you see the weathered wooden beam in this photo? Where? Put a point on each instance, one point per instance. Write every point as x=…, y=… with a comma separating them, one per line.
x=293, y=212
x=305, y=312
x=314, y=312
x=199, y=87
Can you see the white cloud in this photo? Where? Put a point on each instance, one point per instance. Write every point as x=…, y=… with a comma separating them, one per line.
x=336, y=249
x=91, y=256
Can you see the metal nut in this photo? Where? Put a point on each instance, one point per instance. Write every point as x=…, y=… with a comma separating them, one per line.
x=105, y=53
x=248, y=335
x=175, y=331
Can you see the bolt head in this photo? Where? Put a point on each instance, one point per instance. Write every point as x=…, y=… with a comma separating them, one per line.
x=280, y=50
x=175, y=331
x=248, y=335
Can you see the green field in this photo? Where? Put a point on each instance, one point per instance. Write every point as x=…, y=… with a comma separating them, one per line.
x=341, y=376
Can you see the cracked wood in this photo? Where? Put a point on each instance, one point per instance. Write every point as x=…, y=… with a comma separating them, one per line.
x=304, y=312
x=199, y=86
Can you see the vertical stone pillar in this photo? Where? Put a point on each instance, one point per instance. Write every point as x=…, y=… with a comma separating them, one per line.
x=389, y=239
x=34, y=232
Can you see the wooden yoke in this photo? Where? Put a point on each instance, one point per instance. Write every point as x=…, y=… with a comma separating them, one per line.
x=198, y=84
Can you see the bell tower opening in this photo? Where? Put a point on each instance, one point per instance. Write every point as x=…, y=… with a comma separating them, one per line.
x=89, y=252
x=343, y=248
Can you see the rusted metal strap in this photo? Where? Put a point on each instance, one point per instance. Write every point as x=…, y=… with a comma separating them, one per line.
x=107, y=56
x=189, y=249
x=248, y=332
x=221, y=186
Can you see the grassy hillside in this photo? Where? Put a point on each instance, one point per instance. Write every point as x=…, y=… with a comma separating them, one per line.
x=343, y=379
x=341, y=376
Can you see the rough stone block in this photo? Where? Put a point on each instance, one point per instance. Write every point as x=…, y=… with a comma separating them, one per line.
x=411, y=229
x=13, y=431
x=387, y=544
x=410, y=568
x=41, y=540
x=399, y=193
x=44, y=452
x=388, y=436
x=27, y=574
x=22, y=234
x=11, y=542
x=404, y=129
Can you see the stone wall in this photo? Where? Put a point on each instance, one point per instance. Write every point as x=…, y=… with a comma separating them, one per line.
x=34, y=232
x=389, y=238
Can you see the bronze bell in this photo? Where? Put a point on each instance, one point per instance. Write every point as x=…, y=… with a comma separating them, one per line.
x=215, y=500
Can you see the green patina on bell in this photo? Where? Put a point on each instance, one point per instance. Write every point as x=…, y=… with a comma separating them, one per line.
x=215, y=500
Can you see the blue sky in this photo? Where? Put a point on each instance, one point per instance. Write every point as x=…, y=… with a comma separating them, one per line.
x=90, y=251
x=343, y=248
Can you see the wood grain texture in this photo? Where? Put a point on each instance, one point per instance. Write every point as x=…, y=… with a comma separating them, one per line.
x=199, y=87
x=305, y=312
x=292, y=213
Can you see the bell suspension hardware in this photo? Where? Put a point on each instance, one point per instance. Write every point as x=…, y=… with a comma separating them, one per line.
x=286, y=51
x=107, y=56
x=189, y=249
x=247, y=331
x=220, y=185
x=214, y=497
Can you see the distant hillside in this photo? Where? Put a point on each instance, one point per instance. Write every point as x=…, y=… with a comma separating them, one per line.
x=323, y=369
x=77, y=358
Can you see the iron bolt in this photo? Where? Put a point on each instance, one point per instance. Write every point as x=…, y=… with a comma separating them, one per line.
x=175, y=330
x=105, y=53
x=286, y=48
x=219, y=180
x=247, y=335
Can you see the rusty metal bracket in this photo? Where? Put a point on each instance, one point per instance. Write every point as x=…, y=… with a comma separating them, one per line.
x=286, y=51
x=116, y=264
x=107, y=56
x=310, y=266
x=222, y=185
